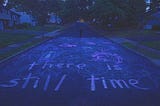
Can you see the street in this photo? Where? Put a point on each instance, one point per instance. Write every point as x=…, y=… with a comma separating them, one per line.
x=74, y=70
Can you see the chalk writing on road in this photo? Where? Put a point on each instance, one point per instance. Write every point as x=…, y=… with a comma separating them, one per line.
x=68, y=45
x=79, y=66
x=92, y=81
x=99, y=67
x=105, y=56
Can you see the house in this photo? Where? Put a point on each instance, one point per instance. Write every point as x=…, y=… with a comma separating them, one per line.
x=27, y=18
x=54, y=19
x=153, y=21
x=8, y=18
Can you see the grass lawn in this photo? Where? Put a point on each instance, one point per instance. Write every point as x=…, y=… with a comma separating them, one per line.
x=47, y=28
x=144, y=52
x=132, y=33
x=9, y=38
x=152, y=44
x=147, y=38
x=23, y=47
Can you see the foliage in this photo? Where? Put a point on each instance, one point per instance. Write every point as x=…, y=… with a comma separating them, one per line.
x=74, y=9
x=40, y=9
x=118, y=11
x=155, y=4
x=1, y=3
x=23, y=26
x=115, y=12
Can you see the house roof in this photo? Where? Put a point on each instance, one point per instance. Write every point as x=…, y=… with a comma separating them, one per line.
x=14, y=12
x=5, y=16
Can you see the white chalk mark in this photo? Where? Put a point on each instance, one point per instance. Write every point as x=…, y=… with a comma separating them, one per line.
x=27, y=81
x=119, y=60
x=47, y=83
x=60, y=65
x=48, y=55
x=93, y=87
x=81, y=66
x=44, y=66
x=104, y=83
x=36, y=83
x=135, y=83
x=60, y=83
x=31, y=66
x=51, y=65
x=119, y=83
x=117, y=68
x=69, y=65
x=109, y=67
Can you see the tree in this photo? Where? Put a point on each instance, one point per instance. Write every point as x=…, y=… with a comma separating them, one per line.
x=1, y=3
x=38, y=8
x=70, y=11
x=75, y=9
x=55, y=6
x=106, y=12
x=137, y=9
x=155, y=4
x=118, y=11
x=103, y=11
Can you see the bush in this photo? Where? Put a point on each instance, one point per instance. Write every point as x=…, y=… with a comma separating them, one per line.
x=156, y=27
x=23, y=26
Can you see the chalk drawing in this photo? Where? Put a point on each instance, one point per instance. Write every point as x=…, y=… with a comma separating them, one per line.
x=86, y=47
x=109, y=67
x=27, y=80
x=93, y=79
x=44, y=66
x=68, y=45
x=119, y=83
x=47, y=83
x=31, y=66
x=107, y=43
x=60, y=65
x=91, y=43
x=104, y=83
x=50, y=65
x=36, y=83
x=68, y=65
x=60, y=83
x=48, y=55
x=12, y=83
x=81, y=66
x=117, y=67
x=105, y=56
x=135, y=83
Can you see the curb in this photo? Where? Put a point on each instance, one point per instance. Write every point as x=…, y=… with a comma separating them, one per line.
x=29, y=48
x=148, y=58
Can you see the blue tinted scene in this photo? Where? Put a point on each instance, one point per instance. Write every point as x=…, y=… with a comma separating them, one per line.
x=79, y=52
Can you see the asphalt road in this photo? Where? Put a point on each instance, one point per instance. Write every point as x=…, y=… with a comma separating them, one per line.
x=74, y=70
